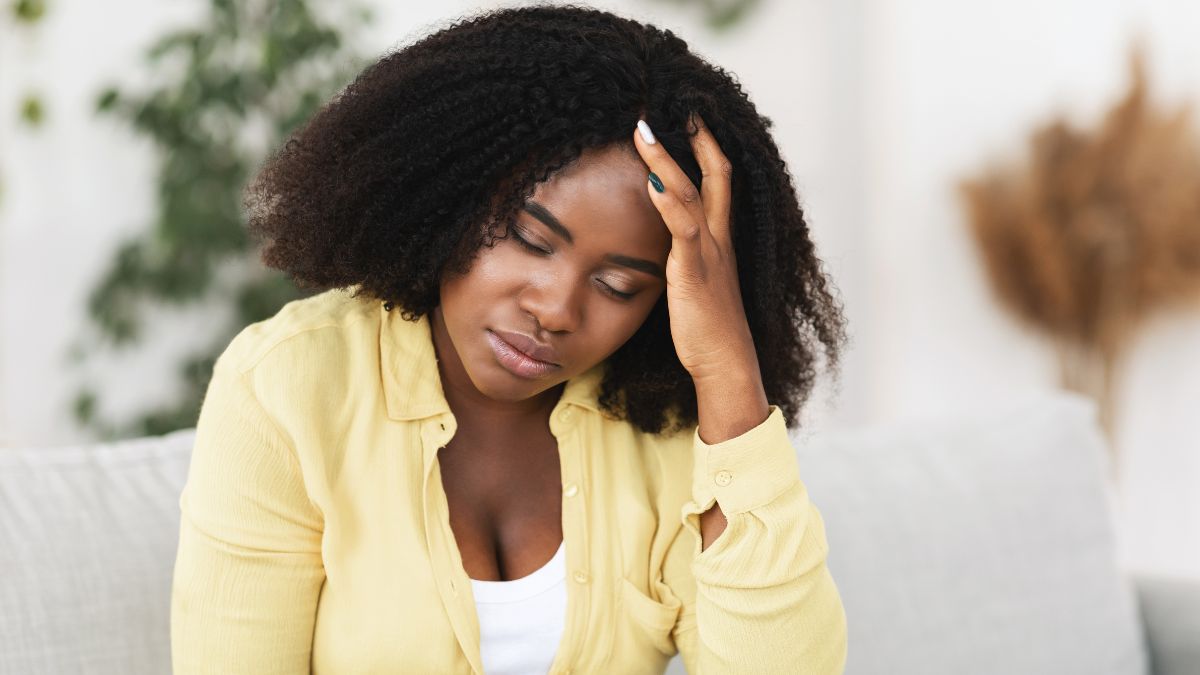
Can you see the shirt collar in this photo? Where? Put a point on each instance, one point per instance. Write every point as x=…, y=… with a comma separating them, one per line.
x=412, y=385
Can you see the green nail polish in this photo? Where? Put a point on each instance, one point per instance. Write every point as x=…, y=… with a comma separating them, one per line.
x=654, y=180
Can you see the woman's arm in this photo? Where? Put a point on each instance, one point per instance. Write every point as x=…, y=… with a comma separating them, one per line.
x=727, y=408
x=758, y=598
x=248, y=570
x=756, y=594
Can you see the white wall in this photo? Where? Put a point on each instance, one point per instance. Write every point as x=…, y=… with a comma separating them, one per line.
x=880, y=106
x=71, y=188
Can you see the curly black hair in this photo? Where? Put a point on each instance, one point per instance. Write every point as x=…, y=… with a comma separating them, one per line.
x=430, y=151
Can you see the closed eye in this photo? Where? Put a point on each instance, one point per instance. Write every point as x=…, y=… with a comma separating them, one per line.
x=619, y=295
x=528, y=246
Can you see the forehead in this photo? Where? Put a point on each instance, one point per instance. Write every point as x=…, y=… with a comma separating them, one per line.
x=601, y=198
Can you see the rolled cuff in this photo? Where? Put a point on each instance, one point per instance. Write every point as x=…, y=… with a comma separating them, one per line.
x=746, y=471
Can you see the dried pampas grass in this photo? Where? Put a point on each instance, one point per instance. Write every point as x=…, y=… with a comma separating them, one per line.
x=1099, y=229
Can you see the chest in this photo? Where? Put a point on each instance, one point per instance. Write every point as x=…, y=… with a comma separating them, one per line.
x=505, y=502
x=391, y=561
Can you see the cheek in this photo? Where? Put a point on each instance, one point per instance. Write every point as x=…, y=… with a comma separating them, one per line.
x=491, y=273
x=498, y=270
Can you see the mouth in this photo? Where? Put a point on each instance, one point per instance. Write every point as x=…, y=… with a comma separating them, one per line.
x=512, y=352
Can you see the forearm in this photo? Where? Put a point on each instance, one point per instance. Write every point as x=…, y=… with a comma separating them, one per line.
x=763, y=600
x=728, y=407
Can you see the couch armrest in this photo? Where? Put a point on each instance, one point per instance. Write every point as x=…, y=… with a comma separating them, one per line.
x=1170, y=609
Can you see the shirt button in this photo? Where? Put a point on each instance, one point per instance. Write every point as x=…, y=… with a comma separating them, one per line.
x=565, y=415
x=724, y=478
x=571, y=490
x=581, y=576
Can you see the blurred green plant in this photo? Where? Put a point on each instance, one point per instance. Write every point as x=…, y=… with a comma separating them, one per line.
x=33, y=111
x=720, y=15
x=28, y=11
x=227, y=92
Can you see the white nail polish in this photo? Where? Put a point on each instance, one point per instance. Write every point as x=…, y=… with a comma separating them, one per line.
x=644, y=130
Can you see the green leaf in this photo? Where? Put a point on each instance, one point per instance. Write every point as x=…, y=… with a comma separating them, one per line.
x=33, y=113
x=107, y=100
x=187, y=40
x=29, y=11
x=84, y=406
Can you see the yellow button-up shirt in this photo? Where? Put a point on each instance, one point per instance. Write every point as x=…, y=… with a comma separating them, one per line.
x=315, y=533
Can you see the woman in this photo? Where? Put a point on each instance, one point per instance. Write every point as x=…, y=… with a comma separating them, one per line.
x=535, y=419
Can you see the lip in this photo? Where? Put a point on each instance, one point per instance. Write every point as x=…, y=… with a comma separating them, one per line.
x=529, y=347
x=514, y=357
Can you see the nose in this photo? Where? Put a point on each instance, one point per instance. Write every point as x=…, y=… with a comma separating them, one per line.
x=554, y=303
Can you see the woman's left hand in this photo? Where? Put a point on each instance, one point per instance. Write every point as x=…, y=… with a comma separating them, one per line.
x=708, y=320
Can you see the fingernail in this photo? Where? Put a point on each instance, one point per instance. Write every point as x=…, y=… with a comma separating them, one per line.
x=654, y=180
x=647, y=135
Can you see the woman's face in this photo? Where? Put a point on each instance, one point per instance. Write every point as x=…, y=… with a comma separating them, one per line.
x=579, y=272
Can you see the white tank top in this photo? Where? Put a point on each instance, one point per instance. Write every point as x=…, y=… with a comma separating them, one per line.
x=521, y=620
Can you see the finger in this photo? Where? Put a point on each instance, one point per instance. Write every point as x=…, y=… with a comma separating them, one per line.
x=686, y=231
x=673, y=178
x=715, y=186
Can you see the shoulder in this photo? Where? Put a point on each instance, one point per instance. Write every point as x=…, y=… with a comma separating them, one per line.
x=303, y=331
x=310, y=365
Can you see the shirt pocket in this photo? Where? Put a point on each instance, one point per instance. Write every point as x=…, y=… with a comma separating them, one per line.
x=652, y=620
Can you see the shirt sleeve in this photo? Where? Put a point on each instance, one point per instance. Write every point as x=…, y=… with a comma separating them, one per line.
x=760, y=598
x=248, y=569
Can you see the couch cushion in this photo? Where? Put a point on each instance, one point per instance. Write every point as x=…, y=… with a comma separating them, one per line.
x=1170, y=610
x=979, y=544
x=89, y=536
x=982, y=544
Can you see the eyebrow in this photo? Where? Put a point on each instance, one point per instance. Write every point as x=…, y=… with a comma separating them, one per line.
x=538, y=211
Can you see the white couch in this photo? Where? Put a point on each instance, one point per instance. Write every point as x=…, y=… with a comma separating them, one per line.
x=968, y=545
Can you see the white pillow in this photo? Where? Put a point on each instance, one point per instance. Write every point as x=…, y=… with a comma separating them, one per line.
x=87, y=548
x=978, y=544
